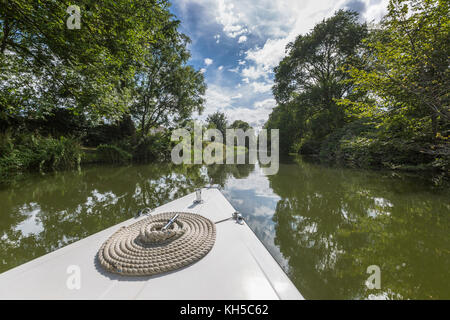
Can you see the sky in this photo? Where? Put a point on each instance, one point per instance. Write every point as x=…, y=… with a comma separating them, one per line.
x=237, y=43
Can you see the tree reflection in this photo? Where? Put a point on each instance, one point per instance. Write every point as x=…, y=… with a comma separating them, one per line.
x=324, y=225
x=219, y=174
x=74, y=205
x=331, y=224
x=43, y=213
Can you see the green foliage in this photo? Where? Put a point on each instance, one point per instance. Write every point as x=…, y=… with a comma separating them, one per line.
x=288, y=119
x=311, y=77
x=406, y=64
x=406, y=76
x=113, y=154
x=309, y=146
x=365, y=143
x=219, y=121
x=155, y=147
x=126, y=66
x=36, y=153
x=239, y=124
x=88, y=70
x=167, y=90
x=110, y=133
x=378, y=101
x=332, y=148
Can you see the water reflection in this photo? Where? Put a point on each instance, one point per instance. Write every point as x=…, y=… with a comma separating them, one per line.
x=324, y=226
x=45, y=213
x=332, y=224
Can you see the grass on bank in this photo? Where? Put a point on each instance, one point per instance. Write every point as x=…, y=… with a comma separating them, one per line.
x=35, y=153
x=30, y=152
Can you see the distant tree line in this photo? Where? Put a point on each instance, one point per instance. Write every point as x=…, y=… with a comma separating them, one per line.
x=219, y=121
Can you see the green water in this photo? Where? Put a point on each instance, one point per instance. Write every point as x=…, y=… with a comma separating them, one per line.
x=323, y=225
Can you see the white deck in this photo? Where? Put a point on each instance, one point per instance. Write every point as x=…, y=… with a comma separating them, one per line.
x=238, y=267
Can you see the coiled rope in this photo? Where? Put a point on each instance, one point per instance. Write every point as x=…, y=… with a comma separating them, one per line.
x=142, y=249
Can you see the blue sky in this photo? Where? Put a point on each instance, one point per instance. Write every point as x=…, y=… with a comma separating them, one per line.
x=237, y=43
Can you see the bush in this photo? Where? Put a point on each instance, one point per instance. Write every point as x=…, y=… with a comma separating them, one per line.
x=362, y=144
x=153, y=147
x=309, y=147
x=113, y=154
x=112, y=133
x=29, y=152
x=339, y=144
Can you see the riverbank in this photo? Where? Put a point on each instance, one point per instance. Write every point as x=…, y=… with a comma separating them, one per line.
x=363, y=144
x=34, y=154
x=27, y=153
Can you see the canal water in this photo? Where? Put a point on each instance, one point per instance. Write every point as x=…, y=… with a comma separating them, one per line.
x=325, y=226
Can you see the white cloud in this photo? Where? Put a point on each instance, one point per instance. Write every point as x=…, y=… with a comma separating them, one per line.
x=262, y=87
x=229, y=18
x=267, y=57
x=255, y=116
x=277, y=22
x=216, y=99
x=254, y=73
x=237, y=104
x=242, y=39
x=220, y=68
x=235, y=70
x=270, y=19
x=202, y=70
x=299, y=18
x=266, y=104
x=273, y=24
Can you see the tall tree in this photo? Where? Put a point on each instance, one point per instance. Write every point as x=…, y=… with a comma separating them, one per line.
x=219, y=121
x=407, y=66
x=311, y=77
x=89, y=70
x=287, y=119
x=167, y=90
x=239, y=124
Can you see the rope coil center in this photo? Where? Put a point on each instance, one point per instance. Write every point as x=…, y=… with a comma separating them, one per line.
x=144, y=249
x=152, y=233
